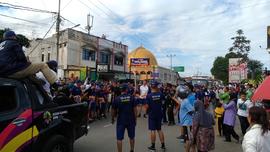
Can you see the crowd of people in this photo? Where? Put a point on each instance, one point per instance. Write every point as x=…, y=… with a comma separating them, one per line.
x=198, y=110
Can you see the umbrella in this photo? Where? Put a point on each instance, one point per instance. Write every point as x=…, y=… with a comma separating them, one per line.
x=263, y=91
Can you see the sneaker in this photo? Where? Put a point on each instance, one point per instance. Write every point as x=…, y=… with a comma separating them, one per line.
x=163, y=147
x=180, y=137
x=151, y=148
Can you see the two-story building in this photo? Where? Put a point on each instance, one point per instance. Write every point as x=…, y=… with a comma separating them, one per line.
x=82, y=55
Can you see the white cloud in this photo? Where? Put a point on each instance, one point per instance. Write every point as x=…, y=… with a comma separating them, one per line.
x=201, y=29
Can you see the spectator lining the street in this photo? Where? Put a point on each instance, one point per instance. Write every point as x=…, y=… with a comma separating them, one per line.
x=257, y=138
x=47, y=87
x=225, y=96
x=219, y=113
x=185, y=114
x=243, y=104
x=229, y=118
x=144, y=90
x=203, y=135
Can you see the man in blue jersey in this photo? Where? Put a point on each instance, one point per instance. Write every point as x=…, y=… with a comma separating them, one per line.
x=124, y=107
x=154, y=108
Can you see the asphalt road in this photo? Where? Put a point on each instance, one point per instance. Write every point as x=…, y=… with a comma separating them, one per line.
x=102, y=138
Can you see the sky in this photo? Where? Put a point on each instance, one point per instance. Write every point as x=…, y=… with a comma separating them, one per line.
x=195, y=31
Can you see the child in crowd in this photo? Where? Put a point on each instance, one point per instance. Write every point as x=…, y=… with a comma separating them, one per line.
x=219, y=111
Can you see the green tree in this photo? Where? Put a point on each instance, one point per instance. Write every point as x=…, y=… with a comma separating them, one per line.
x=24, y=41
x=241, y=45
x=220, y=69
x=255, y=69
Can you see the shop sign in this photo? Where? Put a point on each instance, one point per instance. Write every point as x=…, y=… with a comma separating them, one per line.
x=139, y=61
x=103, y=68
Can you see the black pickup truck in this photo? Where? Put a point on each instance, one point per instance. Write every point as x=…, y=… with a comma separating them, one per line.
x=32, y=122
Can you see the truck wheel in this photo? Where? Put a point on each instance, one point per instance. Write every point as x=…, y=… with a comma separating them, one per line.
x=57, y=143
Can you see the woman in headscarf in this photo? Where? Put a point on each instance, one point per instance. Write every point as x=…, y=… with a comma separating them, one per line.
x=202, y=128
x=229, y=118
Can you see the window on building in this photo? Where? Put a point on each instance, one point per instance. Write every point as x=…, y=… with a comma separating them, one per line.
x=49, y=56
x=92, y=55
x=88, y=55
x=42, y=57
x=104, y=58
x=118, y=60
x=8, y=98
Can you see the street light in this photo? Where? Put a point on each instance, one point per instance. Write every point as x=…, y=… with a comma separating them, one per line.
x=75, y=26
x=171, y=56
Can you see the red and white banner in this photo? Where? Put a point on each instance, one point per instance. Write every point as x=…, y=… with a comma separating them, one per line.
x=237, y=71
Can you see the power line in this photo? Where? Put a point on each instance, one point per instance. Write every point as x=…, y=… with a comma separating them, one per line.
x=42, y=38
x=66, y=5
x=135, y=36
x=72, y=22
x=139, y=39
x=8, y=5
x=33, y=22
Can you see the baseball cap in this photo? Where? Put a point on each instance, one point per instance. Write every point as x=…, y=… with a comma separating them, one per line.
x=154, y=84
x=52, y=65
x=9, y=34
x=124, y=87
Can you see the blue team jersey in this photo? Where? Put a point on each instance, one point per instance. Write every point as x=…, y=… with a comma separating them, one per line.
x=125, y=104
x=154, y=101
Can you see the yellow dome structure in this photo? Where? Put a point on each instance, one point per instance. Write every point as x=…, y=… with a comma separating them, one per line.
x=146, y=70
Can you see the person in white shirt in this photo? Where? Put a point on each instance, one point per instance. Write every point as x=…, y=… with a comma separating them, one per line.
x=46, y=86
x=144, y=89
x=257, y=138
x=243, y=105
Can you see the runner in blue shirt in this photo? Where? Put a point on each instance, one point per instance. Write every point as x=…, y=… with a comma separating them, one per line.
x=124, y=107
x=154, y=108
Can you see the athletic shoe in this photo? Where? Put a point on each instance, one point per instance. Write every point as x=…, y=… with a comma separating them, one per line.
x=151, y=148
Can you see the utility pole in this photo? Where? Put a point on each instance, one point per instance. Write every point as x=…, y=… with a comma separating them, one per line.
x=58, y=20
x=171, y=56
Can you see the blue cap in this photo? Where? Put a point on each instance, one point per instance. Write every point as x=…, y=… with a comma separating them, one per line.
x=9, y=34
x=154, y=84
x=52, y=65
x=124, y=87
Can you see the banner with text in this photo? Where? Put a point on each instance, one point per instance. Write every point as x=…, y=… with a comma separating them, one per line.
x=237, y=70
x=139, y=62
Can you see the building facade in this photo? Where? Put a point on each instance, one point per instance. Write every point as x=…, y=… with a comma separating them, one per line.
x=144, y=66
x=82, y=55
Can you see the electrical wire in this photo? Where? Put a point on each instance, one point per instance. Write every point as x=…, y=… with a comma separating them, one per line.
x=135, y=36
x=42, y=38
x=105, y=19
x=66, y=5
x=115, y=14
x=8, y=5
x=33, y=22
